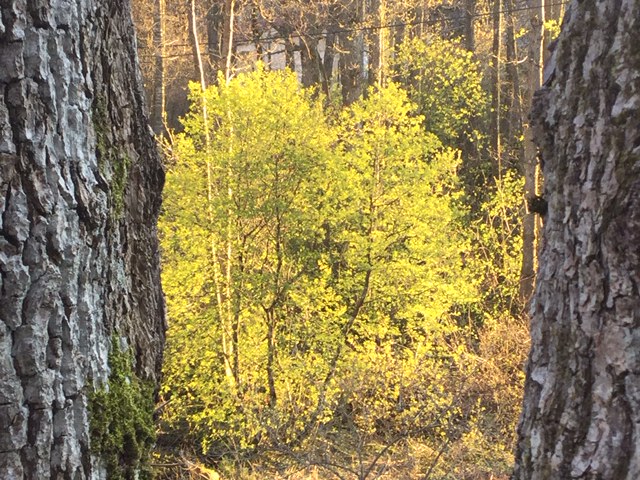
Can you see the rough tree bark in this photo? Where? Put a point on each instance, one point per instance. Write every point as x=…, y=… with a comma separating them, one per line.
x=582, y=396
x=80, y=185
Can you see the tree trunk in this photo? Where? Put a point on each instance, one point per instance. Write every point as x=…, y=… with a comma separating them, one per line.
x=157, y=109
x=352, y=57
x=350, y=68
x=326, y=72
x=270, y=317
x=215, y=33
x=310, y=61
x=530, y=227
x=513, y=121
x=227, y=38
x=582, y=396
x=469, y=29
x=194, y=36
x=378, y=41
x=197, y=55
x=496, y=88
x=256, y=30
x=80, y=183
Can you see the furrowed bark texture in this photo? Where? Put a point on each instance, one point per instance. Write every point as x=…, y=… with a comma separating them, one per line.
x=581, y=417
x=80, y=185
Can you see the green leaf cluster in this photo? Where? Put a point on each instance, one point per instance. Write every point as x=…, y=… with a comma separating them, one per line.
x=445, y=81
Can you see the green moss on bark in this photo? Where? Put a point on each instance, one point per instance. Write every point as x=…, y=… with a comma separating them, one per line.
x=113, y=162
x=121, y=420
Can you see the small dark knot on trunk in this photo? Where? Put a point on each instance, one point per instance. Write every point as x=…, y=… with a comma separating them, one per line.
x=537, y=204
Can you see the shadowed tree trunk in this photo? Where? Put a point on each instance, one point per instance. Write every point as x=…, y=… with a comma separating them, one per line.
x=310, y=61
x=215, y=33
x=351, y=63
x=351, y=72
x=530, y=170
x=326, y=74
x=582, y=394
x=469, y=29
x=513, y=119
x=378, y=41
x=80, y=184
x=157, y=114
x=496, y=87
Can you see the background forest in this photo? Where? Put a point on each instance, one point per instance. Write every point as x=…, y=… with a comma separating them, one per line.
x=347, y=252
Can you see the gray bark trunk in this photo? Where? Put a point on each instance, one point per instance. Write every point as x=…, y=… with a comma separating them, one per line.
x=530, y=170
x=351, y=75
x=326, y=74
x=80, y=185
x=582, y=393
x=310, y=61
x=513, y=119
x=351, y=45
x=157, y=119
x=469, y=29
x=215, y=27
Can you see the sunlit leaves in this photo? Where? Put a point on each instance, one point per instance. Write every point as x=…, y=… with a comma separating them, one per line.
x=405, y=227
x=241, y=235
x=315, y=273
x=445, y=81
